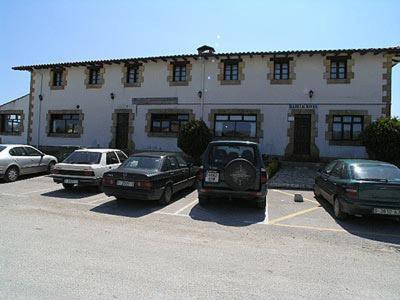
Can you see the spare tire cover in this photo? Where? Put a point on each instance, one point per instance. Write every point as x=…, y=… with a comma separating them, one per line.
x=240, y=174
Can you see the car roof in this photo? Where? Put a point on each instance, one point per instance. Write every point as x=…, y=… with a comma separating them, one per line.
x=351, y=161
x=15, y=145
x=96, y=150
x=157, y=153
x=236, y=142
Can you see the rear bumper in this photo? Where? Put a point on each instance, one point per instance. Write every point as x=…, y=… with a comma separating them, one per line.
x=81, y=181
x=127, y=193
x=221, y=193
x=354, y=208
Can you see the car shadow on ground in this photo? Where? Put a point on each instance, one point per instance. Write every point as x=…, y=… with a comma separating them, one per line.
x=378, y=228
x=135, y=208
x=237, y=213
x=24, y=177
x=76, y=193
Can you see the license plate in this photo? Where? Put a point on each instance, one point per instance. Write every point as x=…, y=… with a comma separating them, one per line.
x=212, y=176
x=71, y=181
x=125, y=183
x=387, y=211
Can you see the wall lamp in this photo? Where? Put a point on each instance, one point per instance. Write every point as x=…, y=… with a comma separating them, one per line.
x=200, y=93
x=40, y=97
x=112, y=96
x=310, y=93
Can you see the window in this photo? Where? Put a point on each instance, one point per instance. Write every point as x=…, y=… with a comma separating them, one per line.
x=338, y=68
x=83, y=158
x=111, y=158
x=374, y=171
x=94, y=76
x=339, y=170
x=220, y=155
x=10, y=123
x=18, y=151
x=64, y=123
x=179, y=72
x=231, y=70
x=168, y=122
x=132, y=74
x=122, y=157
x=170, y=163
x=32, y=152
x=142, y=162
x=347, y=128
x=281, y=69
x=235, y=126
x=328, y=169
x=57, y=77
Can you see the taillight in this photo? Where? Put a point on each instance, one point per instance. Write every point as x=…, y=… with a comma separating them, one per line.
x=264, y=176
x=199, y=174
x=351, y=192
x=146, y=184
x=88, y=173
x=108, y=181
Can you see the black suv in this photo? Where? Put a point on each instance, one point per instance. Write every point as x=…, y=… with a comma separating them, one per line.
x=233, y=169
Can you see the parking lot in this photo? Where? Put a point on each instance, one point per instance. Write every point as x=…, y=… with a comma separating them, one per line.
x=293, y=238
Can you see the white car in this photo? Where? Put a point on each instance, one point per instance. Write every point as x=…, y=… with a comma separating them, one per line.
x=16, y=160
x=85, y=167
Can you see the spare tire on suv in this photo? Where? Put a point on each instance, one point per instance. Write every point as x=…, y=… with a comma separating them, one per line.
x=240, y=174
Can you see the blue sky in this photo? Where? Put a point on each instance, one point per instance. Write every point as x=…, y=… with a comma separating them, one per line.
x=53, y=31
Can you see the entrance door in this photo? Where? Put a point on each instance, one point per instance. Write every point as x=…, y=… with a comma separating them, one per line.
x=121, y=138
x=302, y=134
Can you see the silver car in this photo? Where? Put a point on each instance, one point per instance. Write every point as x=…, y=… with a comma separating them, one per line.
x=16, y=160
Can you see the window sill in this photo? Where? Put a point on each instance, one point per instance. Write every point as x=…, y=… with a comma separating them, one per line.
x=345, y=143
x=57, y=87
x=230, y=82
x=135, y=84
x=179, y=83
x=163, y=134
x=281, y=81
x=94, y=86
x=64, y=135
x=338, y=81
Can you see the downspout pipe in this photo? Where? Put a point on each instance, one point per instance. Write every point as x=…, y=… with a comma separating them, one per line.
x=40, y=109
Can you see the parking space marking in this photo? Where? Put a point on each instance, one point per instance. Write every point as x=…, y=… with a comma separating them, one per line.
x=97, y=201
x=289, y=216
x=38, y=191
x=186, y=206
x=290, y=194
x=309, y=227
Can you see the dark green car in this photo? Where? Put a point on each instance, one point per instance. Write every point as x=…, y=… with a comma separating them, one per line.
x=360, y=187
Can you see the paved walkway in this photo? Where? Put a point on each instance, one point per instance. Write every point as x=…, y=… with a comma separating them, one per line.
x=295, y=175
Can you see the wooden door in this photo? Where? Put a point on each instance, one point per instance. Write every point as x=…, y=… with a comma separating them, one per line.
x=121, y=135
x=302, y=134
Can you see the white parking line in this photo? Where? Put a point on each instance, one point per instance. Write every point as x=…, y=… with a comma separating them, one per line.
x=186, y=206
x=38, y=191
x=97, y=201
x=290, y=194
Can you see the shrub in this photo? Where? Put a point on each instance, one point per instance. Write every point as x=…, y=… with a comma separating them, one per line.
x=272, y=165
x=382, y=140
x=193, y=139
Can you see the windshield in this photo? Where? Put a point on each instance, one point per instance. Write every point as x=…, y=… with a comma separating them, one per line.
x=2, y=148
x=375, y=172
x=142, y=162
x=222, y=154
x=84, y=158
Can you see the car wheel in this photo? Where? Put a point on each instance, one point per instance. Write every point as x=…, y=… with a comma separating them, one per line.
x=337, y=210
x=261, y=203
x=12, y=174
x=167, y=196
x=203, y=200
x=50, y=166
x=68, y=186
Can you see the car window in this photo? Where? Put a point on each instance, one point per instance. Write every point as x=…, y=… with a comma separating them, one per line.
x=111, y=158
x=170, y=163
x=32, y=152
x=328, y=169
x=2, y=148
x=181, y=161
x=375, y=172
x=220, y=155
x=122, y=157
x=17, y=151
x=83, y=157
x=337, y=171
x=142, y=162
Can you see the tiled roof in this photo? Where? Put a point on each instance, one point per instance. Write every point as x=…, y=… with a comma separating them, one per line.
x=395, y=50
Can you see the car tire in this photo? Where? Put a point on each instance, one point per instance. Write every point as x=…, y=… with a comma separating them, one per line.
x=68, y=186
x=11, y=174
x=338, y=212
x=261, y=203
x=50, y=166
x=166, y=196
x=203, y=200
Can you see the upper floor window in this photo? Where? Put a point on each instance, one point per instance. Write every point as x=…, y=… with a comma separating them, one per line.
x=168, y=122
x=94, y=75
x=131, y=74
x=10, y=123
x=347, y=128
x=179, y=72
x=281, y=69
x=64, y=123
x=231, y=70
x=238, y=126
x=57, y=77
x=338, y=68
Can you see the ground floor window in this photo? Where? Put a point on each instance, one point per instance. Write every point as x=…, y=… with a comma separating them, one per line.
x=64, y=123
x=10, y=123
x=235, y=125
x=168, y=122
x=347, y=127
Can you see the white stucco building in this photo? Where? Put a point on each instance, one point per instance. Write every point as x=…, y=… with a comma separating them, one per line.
x=298, y=104
x=14, y=121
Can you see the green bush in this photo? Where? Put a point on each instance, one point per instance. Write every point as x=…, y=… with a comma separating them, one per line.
x=382, y=140
x=272, y=165
x=193, y=139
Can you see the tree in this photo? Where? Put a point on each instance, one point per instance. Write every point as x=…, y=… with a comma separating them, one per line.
x=382, y=140
x=193, y=139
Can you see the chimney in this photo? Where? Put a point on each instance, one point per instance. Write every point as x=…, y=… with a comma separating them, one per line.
x=204, y=50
